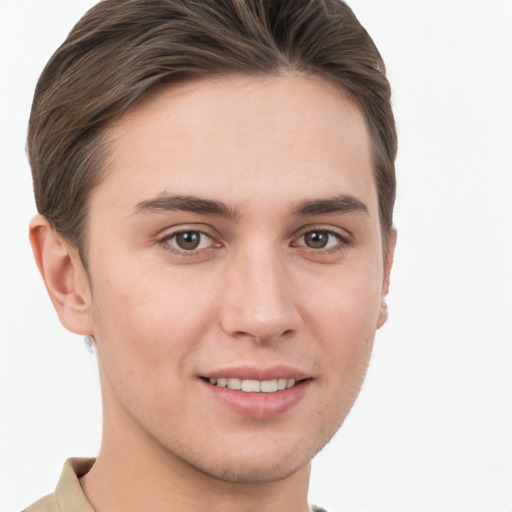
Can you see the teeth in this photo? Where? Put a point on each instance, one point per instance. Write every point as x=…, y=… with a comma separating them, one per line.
x=253, y=386
x=281, y=384
x=234, y=383
x=268, y=386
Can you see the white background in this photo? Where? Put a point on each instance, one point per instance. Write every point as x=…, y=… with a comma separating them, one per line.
x=432, y=429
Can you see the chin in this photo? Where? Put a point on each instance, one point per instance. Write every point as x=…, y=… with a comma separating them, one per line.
x=242, y=472
x=254, y=461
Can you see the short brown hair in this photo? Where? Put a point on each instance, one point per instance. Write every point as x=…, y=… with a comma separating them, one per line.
x=121, y=49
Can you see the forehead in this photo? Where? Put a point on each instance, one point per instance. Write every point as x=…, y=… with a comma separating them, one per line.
x=239, y=138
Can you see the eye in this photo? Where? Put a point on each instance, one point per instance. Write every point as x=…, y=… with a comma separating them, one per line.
x=321, y=239
x=186, y=241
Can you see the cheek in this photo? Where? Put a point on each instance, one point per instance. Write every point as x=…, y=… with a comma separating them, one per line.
x=146, y=321
x=348, y=303
x=146, y=333
x=343, y=318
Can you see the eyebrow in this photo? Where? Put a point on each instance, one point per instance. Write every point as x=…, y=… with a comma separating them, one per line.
x=192, y=204
x=338, y=204
x=164, y=203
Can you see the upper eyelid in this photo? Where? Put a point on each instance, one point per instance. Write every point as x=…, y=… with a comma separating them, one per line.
x=337, y=231
x=171, y=231
x=175, y=232
x=341, y=242
x=167, y=235
x=165, y=242
x=181, y=231
x=328, y=231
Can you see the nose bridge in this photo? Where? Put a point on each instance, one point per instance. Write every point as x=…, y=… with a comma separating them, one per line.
x=259, y=296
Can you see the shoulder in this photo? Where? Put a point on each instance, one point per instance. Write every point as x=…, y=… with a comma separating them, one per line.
x=47, y=504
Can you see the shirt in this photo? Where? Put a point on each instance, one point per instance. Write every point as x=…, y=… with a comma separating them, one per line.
x=68, y=495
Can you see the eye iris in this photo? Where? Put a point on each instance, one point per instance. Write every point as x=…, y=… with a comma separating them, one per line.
x=316, y=239
x=188, y=240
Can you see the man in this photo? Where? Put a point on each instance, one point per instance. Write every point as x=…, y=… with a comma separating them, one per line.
x=215, y=187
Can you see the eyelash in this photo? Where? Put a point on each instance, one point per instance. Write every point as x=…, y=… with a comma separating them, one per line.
x=343, y=242
x=164, y=241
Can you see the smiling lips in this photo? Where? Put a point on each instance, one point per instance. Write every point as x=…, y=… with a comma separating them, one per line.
x=253, y=386
x=258, y=393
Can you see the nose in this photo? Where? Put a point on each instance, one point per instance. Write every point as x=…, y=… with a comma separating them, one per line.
x=259, y=300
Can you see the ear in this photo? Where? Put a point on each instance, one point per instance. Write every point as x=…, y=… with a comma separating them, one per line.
x=383, y=314
x=64, y=276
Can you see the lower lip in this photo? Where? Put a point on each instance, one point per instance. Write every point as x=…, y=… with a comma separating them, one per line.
x=260, y=405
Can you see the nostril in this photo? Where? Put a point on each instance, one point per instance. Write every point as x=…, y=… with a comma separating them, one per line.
x=264, y=337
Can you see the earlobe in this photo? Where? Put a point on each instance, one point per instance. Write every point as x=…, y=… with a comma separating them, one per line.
x=63, y=275
x=383, y=313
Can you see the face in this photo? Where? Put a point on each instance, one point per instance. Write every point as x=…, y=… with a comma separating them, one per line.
x=235, y=243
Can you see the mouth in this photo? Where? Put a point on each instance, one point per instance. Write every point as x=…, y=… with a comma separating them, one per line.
x=265, y=394
x=254, y=386
x=256, y=392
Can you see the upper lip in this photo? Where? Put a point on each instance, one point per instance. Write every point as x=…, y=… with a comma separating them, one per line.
x=246, y=372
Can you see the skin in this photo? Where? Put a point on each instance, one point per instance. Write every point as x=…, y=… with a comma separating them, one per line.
x=256, y=291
